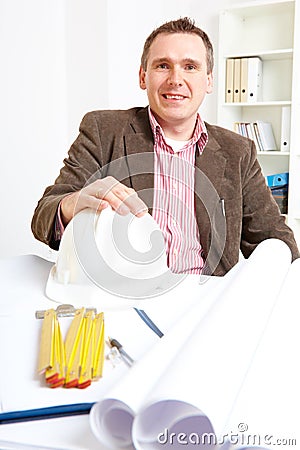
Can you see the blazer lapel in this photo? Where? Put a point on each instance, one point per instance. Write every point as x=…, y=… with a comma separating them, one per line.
x=140, y=157
x=209, y=174
x=212, y=163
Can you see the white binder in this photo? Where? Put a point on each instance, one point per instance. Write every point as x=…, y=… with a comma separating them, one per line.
x=285, y=129
x=254, y=80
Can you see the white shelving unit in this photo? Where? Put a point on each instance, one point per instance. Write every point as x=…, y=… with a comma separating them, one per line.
x=269, y=30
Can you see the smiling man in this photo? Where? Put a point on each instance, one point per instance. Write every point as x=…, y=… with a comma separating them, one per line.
x=202, y=183
x=177, y=74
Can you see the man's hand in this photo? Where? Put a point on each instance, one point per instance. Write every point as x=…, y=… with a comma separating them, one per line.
x=100, y=194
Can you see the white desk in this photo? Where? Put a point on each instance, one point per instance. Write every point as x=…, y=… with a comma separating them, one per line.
x=23, y=281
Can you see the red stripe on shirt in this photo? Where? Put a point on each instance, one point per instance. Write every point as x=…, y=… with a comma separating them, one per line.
x=174, y=203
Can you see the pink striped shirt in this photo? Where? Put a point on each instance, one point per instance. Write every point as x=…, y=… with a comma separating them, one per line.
x=173, y=203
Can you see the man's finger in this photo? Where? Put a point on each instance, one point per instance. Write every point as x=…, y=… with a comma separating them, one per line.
x=136, y=205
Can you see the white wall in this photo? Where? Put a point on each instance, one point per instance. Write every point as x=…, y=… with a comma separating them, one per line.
x=60, y=59
x=53, y=69
x=33, y=112
x=128, y=45
x=86, y=59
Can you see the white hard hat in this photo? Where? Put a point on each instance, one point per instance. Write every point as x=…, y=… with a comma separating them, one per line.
x=108, y=255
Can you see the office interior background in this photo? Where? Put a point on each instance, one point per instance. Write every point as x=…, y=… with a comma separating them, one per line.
x=60, y=59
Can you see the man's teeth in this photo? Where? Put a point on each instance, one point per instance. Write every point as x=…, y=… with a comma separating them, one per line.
x=176, y=97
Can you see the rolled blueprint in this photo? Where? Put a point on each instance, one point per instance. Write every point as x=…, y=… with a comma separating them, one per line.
x=193, y=398
x=112, y=417
x=266, y=413
x=188, y=382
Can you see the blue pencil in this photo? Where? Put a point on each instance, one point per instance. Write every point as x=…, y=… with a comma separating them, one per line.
x=46, y=413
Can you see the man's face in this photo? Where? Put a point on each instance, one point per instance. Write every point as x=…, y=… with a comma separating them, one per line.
x=176, y=78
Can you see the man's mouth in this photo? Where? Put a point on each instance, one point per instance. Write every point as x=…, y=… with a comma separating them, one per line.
x=173, y=97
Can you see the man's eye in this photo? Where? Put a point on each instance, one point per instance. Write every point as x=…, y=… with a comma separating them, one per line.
x=162, y=66
x=190, y=67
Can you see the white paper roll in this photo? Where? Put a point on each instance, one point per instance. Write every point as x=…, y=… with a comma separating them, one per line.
x=208, y=371
x=227, y=325
x=268, y=403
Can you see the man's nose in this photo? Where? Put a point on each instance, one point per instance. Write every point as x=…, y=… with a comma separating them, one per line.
x=175, y=77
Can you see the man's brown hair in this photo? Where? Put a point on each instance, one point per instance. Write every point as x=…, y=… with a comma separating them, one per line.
x=182, y=25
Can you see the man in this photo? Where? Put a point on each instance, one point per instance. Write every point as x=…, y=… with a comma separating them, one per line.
x=202, y=183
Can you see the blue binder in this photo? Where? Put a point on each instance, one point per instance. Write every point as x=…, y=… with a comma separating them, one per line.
x=278, y=179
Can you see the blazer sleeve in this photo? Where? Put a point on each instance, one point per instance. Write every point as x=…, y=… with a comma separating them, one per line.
x=81, y=167
x=261, y=216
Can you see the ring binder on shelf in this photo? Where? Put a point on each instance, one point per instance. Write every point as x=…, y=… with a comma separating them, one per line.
x=254, y=79
x=285, y=128
x=229, y=80
x=244, y=79
x=237, y=80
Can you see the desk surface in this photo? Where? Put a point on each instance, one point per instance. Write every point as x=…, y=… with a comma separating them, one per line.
x=68, y=432
x=23, y=280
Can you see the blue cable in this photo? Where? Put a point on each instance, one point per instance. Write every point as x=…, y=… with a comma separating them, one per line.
x=149, y=322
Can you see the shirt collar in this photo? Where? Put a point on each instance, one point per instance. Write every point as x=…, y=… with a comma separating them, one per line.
x=200, y=135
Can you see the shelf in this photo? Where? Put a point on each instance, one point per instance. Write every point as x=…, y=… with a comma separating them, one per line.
x=248, y=9
x=278, y=54
x=252, y=29
x=274, y=153
x=256, y=104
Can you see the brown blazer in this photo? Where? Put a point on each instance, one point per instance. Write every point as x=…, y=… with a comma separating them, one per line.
x=234, y=207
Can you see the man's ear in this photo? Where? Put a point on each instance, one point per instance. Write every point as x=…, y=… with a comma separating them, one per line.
x=210, y=83
x=142, y=78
